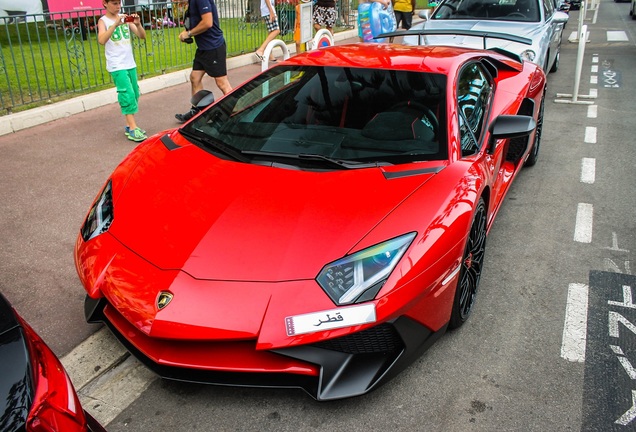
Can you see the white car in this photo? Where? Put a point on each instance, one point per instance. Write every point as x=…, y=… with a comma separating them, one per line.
x=537, y=20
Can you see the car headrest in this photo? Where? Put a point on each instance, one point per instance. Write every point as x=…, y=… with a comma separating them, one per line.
x=403, y=124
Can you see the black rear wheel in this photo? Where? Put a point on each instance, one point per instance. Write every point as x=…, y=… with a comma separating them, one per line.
x=534, y=152
x=555, y=65
x=471, y=266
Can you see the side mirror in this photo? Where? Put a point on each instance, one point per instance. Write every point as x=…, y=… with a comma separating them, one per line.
x=425, y=14
x=202, y=99
x=560, y=17
x=509, y=126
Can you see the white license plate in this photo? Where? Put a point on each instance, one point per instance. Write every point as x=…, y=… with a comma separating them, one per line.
x=330, y=319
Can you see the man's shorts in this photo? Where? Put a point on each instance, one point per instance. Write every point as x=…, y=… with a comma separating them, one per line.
x=271, y=26
x=405, y=17
x=213, y=62
x=325, y=16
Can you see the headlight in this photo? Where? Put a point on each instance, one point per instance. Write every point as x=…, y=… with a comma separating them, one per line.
x=360, y=276
x=101, y=215
x=528, y=55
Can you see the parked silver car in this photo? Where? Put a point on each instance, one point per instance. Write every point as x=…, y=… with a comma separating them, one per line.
x=537, y=20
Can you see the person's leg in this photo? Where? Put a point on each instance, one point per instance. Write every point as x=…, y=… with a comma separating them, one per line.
x=407, y=20
x=127, y=95
x=130, y=121
x=196, y=84
x=223, y=83
x=215, y=62
x=331, y=15
x=134, y=86
x=270, y=37
x=196, y=80
x=274, y=31
x=318, y=17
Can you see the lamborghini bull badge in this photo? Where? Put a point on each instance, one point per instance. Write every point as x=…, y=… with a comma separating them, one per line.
x=164, y=299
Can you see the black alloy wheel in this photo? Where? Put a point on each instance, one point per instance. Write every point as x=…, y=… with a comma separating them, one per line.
x=534, y=152
x=471, y=266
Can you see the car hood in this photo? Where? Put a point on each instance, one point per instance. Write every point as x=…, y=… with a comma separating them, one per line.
x=222, y=220
x=528, y=30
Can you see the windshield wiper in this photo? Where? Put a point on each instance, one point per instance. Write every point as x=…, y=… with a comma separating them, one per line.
x=338, y=163
x=216, y=145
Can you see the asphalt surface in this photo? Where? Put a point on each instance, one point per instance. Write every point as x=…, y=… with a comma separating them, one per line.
x=504, y=370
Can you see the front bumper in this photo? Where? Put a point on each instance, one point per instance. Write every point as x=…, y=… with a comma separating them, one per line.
x=338, y=368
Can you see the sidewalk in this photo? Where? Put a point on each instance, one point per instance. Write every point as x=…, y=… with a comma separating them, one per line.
x=240, y=69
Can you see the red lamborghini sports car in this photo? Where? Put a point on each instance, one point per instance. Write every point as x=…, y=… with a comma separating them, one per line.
x=319, y=226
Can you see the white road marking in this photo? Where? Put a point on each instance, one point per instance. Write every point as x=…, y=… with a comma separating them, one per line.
x=588, y=170
x=630, y=414
x=93, y=357
x=615, y=247
x=592, y=111
x=106, y=377
x=595, y=58
x=593, y=79
x=593, y=93
x=107, y=396
x=610, y=266
x=575, y=326
x=594, y=69
x=590, y=134
x=583, y=227
x=616, y=36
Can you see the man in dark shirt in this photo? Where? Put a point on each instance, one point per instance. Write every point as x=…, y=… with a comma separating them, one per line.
x=211, y=53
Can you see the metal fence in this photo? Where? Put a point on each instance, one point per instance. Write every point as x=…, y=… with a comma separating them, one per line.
x=48, y=57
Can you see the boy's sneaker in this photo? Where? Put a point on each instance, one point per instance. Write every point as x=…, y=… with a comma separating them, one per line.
x=127, y=131
x=137, y=135
x=182, y=118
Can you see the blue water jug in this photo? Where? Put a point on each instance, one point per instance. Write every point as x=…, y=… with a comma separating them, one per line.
x=374, y=20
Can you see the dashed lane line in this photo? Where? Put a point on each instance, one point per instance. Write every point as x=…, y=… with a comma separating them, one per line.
x=575, y=327
x=588, y=170
x=584, y=223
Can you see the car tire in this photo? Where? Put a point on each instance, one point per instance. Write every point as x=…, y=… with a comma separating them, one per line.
x=555, y=65
x=534, y=152
x=471, y=266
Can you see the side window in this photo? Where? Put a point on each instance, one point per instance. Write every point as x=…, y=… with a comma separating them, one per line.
x=474, y=93
x=548, y=6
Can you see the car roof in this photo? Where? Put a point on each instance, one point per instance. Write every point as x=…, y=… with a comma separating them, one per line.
x=432, y=59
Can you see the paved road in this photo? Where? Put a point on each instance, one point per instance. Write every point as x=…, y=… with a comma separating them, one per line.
x=549, y=346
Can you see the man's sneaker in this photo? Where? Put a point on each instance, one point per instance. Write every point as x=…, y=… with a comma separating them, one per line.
x=136, y=135
x=127, y=131
x=182, y=118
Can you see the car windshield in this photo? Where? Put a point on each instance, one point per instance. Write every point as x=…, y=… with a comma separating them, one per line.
x=328, y=116
x=504, y=10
